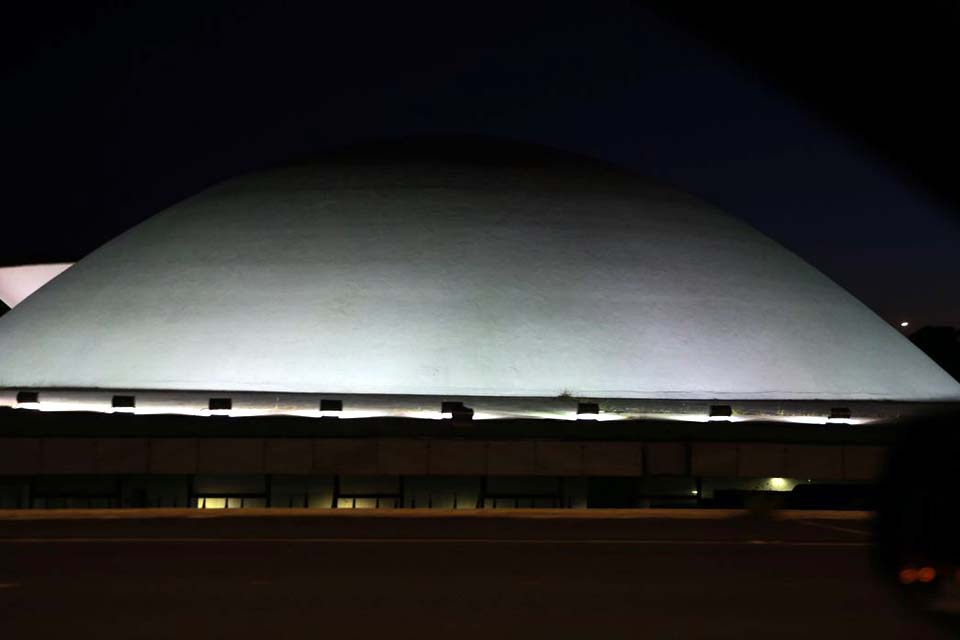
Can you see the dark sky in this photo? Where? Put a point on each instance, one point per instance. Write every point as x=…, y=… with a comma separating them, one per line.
x=833, y=131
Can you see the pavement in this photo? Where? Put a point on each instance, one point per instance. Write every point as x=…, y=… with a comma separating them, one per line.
x=440, y=574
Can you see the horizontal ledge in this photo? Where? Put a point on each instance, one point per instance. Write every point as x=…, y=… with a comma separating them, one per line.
x=437, y=407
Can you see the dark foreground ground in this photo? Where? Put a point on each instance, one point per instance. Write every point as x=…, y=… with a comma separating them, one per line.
x=597, y=576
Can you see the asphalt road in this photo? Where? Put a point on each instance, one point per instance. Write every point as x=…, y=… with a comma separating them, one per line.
x=444, y=577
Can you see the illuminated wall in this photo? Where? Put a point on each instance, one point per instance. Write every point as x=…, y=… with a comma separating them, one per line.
x=454, y=279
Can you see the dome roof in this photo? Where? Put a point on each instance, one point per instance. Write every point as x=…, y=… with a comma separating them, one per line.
x=379, y=273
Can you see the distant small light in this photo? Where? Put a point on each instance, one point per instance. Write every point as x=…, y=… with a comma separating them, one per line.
x=695, y=492
x=926, y=574
x=904, y=324
x=907, y=575
x=778, y=484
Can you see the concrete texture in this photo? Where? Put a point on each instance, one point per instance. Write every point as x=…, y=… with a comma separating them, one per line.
x=456, y=279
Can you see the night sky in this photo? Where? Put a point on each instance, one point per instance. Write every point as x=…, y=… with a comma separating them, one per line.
x=833, y=132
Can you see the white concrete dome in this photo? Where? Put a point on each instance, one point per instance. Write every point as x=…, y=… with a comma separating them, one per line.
x=444, y=276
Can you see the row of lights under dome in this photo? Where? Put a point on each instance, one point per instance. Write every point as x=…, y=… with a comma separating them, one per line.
x=837, y=415
x=449, y=410
x=223, y=406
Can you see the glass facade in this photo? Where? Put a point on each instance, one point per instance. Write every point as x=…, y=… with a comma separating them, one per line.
x=415, y=492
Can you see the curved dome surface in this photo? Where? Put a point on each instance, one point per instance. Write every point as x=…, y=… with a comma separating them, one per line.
x=424, y=276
